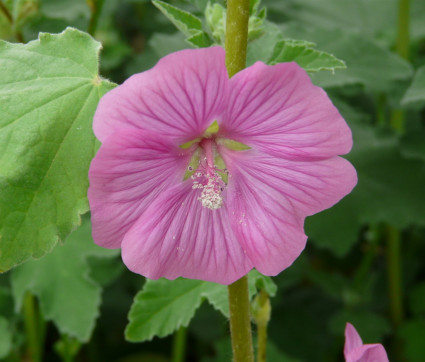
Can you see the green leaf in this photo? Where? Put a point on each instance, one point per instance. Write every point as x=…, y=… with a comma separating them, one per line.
x=163, y=44
x=387, y=191
x=368, y=17
x=5, y=337
x=49, y=90
x=219, y=298
x=61, y=280
x=262, y=47
x=259, y=281
x=215, y=15
x=310, y=59
x=373, y=19
x=187, y=23
x=416, y=92
x=64, y=9
x=360, y=56
x=200, y=40
x=164, y=305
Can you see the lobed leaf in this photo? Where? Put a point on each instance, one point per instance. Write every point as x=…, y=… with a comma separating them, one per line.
x=310, y=59
x=67, y=293
x=49, y=90
x=187, y=23
x=200, y=40
x=164, y=305
x=360, y=55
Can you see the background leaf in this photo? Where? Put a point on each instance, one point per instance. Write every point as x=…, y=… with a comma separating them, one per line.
x=61, y=280
x=49, y=90
x=165, y=305
x=387, y=191
x=413, y=335
x=359, y=54
x=310, y=59
x=416, y=92
x=5, y=337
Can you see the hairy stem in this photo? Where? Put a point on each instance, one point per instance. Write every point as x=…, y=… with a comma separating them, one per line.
x=240, y=323
x=236, y=35
x=239, y=307
x=179, y=345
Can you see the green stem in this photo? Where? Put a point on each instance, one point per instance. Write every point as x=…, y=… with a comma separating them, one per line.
x=239, y=307
x=403, y=37
x=32, y=328
x=6, y=12
x=369, y=255
x=402, y=49
x=236, y=35
x=179, y=345
x=96, y=8
x=262, y=342
x=394, y=275
x=240, y=324
x=9, y=17
x=397, y=123
x=261, y=315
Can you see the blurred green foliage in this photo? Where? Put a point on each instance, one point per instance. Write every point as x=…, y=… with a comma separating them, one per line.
x=83, y=294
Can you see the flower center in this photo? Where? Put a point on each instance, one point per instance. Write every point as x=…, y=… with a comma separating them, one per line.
x=203, y=170
x=207, y=177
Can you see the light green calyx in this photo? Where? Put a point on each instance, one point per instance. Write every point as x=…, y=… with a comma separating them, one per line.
x=212, y=129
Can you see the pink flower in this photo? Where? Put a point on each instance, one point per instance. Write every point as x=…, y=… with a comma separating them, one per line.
x=240, y=208
x=356, y=351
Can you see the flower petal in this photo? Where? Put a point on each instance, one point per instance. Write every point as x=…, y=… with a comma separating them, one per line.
x=277, y=109
x=352, y=339
x=177, y=236
x=373, y=353
x=130, y=170
x=356, y=351
x=179, y=98
x=269, y=198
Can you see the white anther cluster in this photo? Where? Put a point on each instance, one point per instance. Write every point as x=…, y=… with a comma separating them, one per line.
x=211, y=196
